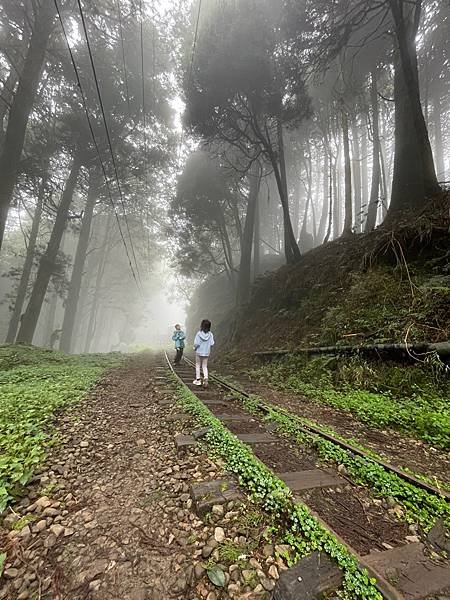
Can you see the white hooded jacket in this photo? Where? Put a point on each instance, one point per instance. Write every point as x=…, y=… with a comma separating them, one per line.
x=203, y=342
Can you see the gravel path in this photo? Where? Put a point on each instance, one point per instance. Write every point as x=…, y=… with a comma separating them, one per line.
x=110, y=515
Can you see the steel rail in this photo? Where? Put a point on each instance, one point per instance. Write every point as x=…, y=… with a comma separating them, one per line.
x=308, y=429
x=386, y=589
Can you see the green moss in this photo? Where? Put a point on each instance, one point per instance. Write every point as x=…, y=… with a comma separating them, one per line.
x=34, y=385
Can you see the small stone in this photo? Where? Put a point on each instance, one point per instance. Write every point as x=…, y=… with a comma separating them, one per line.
x=23, y=595
x=219, y=534
x=217, y=509
x=10, y=573
x=68, y=531
x=386, y=545
x=412, y=539
x=57, y=530
x=199, y=571
x=207, y=551
x=40, y=526
x=84, y=444
x=50, y=541
x=211, y=596
x=25, y=532
x=268, y=550
x=268, y=584
x=273, y=572
x=342, y=469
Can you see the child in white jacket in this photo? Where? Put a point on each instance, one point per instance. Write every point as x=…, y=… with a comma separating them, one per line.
x=203, y=341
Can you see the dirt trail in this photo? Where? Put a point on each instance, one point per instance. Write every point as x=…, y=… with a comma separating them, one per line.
x=114, y=525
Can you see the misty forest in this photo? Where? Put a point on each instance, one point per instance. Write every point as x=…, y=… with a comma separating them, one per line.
x=224, y=299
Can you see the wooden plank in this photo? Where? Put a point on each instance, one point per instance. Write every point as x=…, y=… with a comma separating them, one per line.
x=310, y=479
x=412, y=573
x=313, y=576
x=256, y=438
x=233, y=417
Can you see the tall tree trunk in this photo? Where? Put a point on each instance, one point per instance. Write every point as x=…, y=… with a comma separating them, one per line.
x=50, y=319
x=325, y=199
x=98, y=281
x=291, y=249
x=438, y=145
x=348, y=217
x=376, y=174
x=21, y=107
x=356, y=168
x=330, y=201
x=336, y=207
x=257, y=239
x=296, y=209
x=7, y=96
x=78, y=265
x=47, y=262
x=414, y=172
x=243, y=287
x=27, y=265
x=364, y=175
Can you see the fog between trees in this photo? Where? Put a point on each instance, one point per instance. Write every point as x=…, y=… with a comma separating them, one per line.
x=302, y=121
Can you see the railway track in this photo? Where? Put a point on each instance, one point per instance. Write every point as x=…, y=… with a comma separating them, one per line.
x=379, y=541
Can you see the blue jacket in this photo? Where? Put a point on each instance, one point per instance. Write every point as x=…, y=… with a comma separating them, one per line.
x=203, y=342
x=179, y=337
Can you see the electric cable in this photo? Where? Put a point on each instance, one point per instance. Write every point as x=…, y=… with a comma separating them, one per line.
x=91, y=129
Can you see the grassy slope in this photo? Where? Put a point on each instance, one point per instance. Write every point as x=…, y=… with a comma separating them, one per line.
x=392, y=285
x=34, y=385
x=413, y=399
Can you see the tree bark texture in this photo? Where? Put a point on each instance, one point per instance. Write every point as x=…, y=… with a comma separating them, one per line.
x=78, y=265
x=27, y=265
x=21, y=107
x=47, y=262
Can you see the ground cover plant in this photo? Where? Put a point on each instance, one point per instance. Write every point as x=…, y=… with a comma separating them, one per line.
x=413, y=399
x=296, y=525
x=34, y=385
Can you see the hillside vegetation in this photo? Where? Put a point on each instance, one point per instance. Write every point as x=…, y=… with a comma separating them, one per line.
x=391, y=285
x=34, y=385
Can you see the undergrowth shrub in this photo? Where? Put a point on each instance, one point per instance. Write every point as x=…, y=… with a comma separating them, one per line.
x=34, y=385
x=413, y=399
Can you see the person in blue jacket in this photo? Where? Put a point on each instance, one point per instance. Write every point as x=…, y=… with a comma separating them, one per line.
x=203, y=342
x=178, y=337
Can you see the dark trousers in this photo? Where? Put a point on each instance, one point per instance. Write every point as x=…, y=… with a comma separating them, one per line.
x=178, y=355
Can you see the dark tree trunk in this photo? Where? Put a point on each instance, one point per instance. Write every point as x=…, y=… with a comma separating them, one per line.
x=7, y=96
x=414, y=176
x=21, y=108
x=47, y=262
x=336, y=207
x=348, y=217
x=325, y=200
x=356, y=168
x=376, y=173
x=27, y=265
x=78, y=265
x=291, y=249
x=90, y=332
x=243, y=288
x=257, y=240
x=438, y=145
x=364, y=175
x=50, y=319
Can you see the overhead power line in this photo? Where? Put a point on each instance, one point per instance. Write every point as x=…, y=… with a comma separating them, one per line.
x=125, y=74
x=108, y=136
x=91, y=129
x=191, y=63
